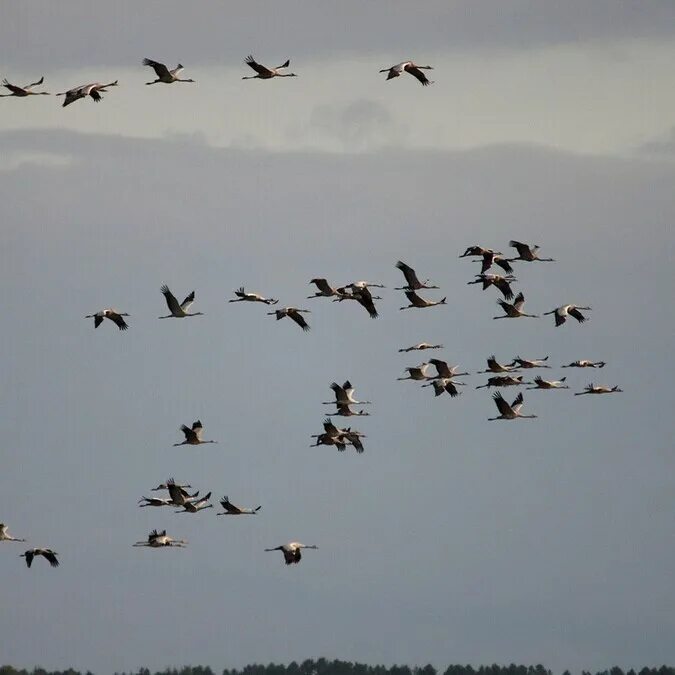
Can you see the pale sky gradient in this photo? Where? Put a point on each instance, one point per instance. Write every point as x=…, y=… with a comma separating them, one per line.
x=451, y=539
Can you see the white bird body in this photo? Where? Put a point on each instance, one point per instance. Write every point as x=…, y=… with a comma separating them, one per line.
x=515, y=310
x=344, y=395
x=419, y=302
x=163, y=73
x=265, y=73
x=561, y=313
x=418, y=373
x=421, y=346
x=5, y=535
x=598, y=389
x=527, y=252
x=157, y=539
x=444, y=384
x=94, y=90
x=193, y=435
x=46, y=553
x=540, y=383
x=243, y=296
x=232, y=510
x=495, y=367
x=292, y=313
x=109, y=313
x=24, y=91
x=530, y=363
x=585, y=363
x=408, y=67
x=292, y=551
x=178, y=311
x=193, y=506
x=509, y=412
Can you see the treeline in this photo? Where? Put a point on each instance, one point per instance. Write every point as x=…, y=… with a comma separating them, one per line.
x=324, y=667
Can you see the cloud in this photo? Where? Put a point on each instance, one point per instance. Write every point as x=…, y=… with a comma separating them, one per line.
x=353, y=127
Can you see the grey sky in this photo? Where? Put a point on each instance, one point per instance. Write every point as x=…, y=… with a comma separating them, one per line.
x=451, y=539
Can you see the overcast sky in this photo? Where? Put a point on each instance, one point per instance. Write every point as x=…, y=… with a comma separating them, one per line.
x=452, y=539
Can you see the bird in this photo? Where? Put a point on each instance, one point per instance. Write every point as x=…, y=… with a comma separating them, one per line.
x=491, y=258
x=509, y=412
x=504, y=381
x=330, y=436
x=160, y=539
x=408, y=67
x=362, y=295
x=94, y=90
x=21, y=92
x=585, y=363
x=444, y=384
x=416, y=373
x=530, y=363
x=243, y=296
x=417, y=301
x=292, y=313
x=193, y=436
x=109, y=313
x=265, y=73
x=155, y=501
x=165, y=486
x=527, y=252
x=353, y=438
x=178, y=311
x=232, y=510
x=178, y=496
x=495, y=367
x=540, y=383
x=445, y=371
x=420, y=346
x=501, y=283
x=292, y=551
x=198, y=505
x=414, y=284
x=560, y=314
x=478, y=251
x=46, y=553
x=344, y=395
x=598, y=389
x=515, y=310
x=163, y=73
x=358, y=285
x=5, y=535
x=325, y=290
x=344, y=410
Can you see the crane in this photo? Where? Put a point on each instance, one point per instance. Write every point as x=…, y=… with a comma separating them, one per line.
x=163, y=73
x=506, y=411
x=292, y=551
x=178, y=311
x=408, y=67
x=109, y=313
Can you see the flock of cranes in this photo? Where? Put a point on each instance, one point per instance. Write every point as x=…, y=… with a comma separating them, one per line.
x=501, y=375
x=165, y=75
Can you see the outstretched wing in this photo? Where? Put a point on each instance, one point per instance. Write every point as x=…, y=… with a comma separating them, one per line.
x=299, y=319
x=503, y=407
x=51, y=557
x=416, y=72
x=504, y=264
x=523, y=249
x=159, y=68
x=519, y=301
x=576, y=314
x=171, y=301
x=258, y=67
x=189, y=299
x=118, y=321
x=409, y=274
